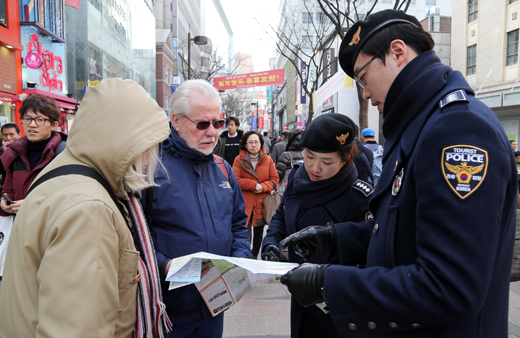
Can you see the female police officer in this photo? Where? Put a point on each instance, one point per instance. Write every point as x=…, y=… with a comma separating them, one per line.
x=324, y=188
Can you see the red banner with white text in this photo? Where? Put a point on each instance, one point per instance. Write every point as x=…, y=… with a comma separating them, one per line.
x=268, y=78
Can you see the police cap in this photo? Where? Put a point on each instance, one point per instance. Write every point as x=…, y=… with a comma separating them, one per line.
x=328, y=133
x=362, y=31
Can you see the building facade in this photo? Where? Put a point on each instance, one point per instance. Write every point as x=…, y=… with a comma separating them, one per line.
x=10, y=62
x=485, y=50
x=164, y=77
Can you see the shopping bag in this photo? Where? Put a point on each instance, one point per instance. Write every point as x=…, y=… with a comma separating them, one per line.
x=6, y=224
x=269, y=205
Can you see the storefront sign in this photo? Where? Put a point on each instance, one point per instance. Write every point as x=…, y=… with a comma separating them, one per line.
x=329, y=64
x=303, y=98
x=268, y=78
x=52, y=64
x=33, y=60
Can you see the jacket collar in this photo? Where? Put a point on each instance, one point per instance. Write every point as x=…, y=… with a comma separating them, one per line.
x=175, y=144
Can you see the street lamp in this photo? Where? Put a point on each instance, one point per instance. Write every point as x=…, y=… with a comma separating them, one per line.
x=199, y=40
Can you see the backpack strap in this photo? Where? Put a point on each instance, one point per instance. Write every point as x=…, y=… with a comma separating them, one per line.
x=77, y=169
x=222, y=166
x=61, y=147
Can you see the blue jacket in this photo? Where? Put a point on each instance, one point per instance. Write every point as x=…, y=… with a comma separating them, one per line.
x=195, y=208
x=343, y=200
x=439, y=250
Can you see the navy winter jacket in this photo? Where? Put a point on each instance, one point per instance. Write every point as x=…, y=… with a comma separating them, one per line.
x=195, y=208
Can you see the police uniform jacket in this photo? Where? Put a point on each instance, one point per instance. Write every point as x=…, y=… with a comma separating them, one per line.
x=439, y=250
x=343, y=198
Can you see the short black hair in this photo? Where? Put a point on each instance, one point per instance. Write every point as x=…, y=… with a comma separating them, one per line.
x=234, y=119
x=244, y=138
x=44, y=104
x=511, y=141
x=265, y=133
x=11, y=125
x=517, y=153
x=414, y=37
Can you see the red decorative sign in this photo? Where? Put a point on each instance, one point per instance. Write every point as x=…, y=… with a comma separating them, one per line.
x=52, y=64
x=33, y=60
x=73, y=3
x=284, y=127
x=272, y=77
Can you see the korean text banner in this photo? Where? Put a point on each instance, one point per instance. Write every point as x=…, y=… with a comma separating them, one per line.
x=268, y=78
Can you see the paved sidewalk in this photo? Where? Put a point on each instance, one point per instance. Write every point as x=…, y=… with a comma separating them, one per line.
x=264, y=312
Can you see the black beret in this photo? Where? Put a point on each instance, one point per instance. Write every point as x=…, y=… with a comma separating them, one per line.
x=361, y=31
x=328, y=133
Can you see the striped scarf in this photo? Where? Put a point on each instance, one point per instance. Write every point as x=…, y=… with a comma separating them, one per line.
x=152, y=320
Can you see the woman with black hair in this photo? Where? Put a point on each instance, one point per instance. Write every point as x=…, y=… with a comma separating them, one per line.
x=324, y=189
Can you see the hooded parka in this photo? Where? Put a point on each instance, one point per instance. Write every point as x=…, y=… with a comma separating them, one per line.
x=71, y=266
x=265, y=174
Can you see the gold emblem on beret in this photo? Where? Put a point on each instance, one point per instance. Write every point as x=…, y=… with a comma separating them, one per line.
x=355, y=38
x=342, y=138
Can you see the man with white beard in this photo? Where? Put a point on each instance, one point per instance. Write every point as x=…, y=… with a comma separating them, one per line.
x=198, y=205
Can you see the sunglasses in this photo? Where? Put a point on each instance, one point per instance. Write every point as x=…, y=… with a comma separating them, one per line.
x=203, y=125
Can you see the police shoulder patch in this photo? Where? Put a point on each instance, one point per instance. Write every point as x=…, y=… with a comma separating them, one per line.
x=464, y=167
x=364, y=187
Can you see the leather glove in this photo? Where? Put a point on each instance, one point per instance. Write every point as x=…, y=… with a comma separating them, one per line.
x=272, y=253
x=305, y=283
x=312, y=240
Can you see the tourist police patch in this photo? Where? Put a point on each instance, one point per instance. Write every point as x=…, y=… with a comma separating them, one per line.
x=464, y=167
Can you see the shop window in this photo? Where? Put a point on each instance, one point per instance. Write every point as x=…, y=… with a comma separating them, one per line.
x=47, y=15
x=472, y=10
x=471, y=67
x=321, y=17
x=3, y=13
x=512, y=47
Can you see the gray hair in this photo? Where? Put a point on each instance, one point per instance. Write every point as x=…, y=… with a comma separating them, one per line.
x=180, y=100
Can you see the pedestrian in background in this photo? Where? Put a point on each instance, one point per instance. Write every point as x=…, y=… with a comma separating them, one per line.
x=364, y=160
x=228, y=146
x=267, y=143
x=324, y=188
x=26, y=157
x=198, y=205
x=293, y=153
x=10, y=133
x=439, y=251
x=256, y=174
x=513, y=144
x=72, y=267
x=279, y=147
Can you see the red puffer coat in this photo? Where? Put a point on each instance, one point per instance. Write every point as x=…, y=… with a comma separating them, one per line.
x=247, y=177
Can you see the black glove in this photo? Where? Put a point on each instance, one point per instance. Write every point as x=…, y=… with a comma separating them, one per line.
x=312, y=240
x=271, y=252
x=305, y=283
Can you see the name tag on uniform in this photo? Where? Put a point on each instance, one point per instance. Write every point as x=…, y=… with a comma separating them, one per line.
x=464, y=167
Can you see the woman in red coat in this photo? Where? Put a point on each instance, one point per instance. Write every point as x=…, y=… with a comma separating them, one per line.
x=256, y=174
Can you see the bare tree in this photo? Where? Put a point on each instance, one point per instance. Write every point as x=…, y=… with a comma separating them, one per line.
x=210, y=64
x=342, y=14
x=238, y=104
x=302, y=40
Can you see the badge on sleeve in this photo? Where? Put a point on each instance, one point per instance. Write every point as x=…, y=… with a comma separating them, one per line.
x=464, y=167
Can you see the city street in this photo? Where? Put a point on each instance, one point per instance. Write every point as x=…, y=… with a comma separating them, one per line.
x=264, y=312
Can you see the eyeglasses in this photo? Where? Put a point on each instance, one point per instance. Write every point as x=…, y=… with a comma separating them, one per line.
x=40, y=121
x=360, y=80
x=253, y=142
x=203, y=125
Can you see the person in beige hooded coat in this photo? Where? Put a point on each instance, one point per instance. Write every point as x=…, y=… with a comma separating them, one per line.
x=71, y=266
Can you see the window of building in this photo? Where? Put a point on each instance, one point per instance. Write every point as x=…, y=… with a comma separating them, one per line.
x=431, y=2
x=360, y=17
x=165, y=73
x=306, y=41
x=386, y=1
x=166, y=98
x=320, y=17
x=472, y=10
x=306, y=17
x=412, y=2
x=511, y=1
x=47, y=15
x=471, y=67
x=512, y=47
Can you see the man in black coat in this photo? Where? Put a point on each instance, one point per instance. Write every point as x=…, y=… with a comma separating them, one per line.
x=439, y=249
x=364, y=160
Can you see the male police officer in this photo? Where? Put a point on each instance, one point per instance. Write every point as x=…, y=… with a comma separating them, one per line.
x=438, y=253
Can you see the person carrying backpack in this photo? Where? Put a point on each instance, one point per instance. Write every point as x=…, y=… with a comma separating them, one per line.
x=368, y=136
